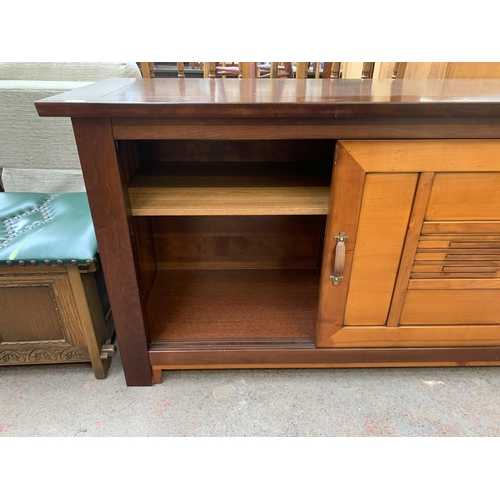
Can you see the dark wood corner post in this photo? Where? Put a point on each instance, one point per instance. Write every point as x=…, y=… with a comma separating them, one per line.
x=106, y=182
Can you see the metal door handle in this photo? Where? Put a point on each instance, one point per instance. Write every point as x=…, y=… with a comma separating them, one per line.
x=338, y=267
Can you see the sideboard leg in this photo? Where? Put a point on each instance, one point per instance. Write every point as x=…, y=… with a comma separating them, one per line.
x=156, y=372
x=106, y=180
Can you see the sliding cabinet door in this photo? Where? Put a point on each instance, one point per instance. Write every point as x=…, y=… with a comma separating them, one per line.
x=412, y=249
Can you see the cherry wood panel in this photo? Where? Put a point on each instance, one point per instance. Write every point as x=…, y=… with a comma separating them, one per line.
x=129, y=159
x=373, y=127
x=272, y=242
x=276, y=98
x=144, y=241
x=105, y=180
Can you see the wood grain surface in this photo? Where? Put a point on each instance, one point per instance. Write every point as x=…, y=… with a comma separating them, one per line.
x=105, y=180
x=466, y=196
x=410, y=246
x=271, y=242
x=250, y=98
x=233, y=304
x=383, y=222
x=416, y=336
x=345, y=204
x=230, y=189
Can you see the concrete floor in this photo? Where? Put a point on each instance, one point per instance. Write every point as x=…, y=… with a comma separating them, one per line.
x=66, y=400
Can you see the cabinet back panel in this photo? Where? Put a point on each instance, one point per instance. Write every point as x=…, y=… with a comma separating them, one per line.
x=238, y=151
x=246, y=242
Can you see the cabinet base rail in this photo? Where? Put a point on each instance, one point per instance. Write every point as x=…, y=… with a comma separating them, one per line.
x=296, y=357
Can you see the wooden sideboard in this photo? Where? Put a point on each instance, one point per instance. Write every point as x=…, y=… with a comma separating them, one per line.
x=229, y=241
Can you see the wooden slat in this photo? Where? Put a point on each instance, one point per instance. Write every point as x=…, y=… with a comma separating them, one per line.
x=464, y=251
x=465, y=238
x=466, y=196
x=147, y=69
x=471, y=269
x=475, y=274
x=417, y=336
x=428, y=267
x=461, y=227
x=454, y=284
x=384, y=70
x=421, y=266
x=343, y=215
x=461, y=256
x=476, y=244
x=440, y=244
x=433, y=244
x=414, y=228
x=426, y=156
x=451, y=307
x=383, y=222
x=477, y=255
x=423, y=70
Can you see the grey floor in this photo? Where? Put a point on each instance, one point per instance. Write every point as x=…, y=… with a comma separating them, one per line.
x=66, y=400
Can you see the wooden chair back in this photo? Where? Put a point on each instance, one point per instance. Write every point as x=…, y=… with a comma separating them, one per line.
x=447, y=70
x=336, y=70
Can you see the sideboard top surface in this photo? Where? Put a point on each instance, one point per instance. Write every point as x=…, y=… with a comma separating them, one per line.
x=280, y=98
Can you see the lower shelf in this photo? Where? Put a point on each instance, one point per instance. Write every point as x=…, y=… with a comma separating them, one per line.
x=234, y=304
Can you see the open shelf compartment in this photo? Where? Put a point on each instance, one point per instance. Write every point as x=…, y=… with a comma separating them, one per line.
x=231, y=240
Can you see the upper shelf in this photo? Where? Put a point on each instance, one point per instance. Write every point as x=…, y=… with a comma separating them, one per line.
x=230, y=189
x=278, y=98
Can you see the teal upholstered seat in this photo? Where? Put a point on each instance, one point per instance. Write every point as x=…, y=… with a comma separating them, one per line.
x=46, y=229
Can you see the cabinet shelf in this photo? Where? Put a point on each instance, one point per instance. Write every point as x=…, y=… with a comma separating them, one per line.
x=234, y=304
x=203, y=188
